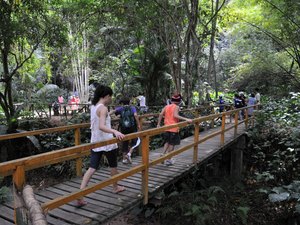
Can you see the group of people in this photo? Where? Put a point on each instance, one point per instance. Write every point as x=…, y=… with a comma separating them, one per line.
x=241, y=101
x=101, y=130
x=73, y=104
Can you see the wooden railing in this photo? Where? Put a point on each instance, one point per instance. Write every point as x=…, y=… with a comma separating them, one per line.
x=17, y=168
x=77, y=127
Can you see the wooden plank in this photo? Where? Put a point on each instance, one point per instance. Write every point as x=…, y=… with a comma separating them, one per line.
x=55, y=221
x=122, y=196
x=89, y=211
x=5, y=222
x=106, y=201
x=65, y=215
x=7, y=213
x=107, y=190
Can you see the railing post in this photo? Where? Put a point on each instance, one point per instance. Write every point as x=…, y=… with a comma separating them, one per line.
x=145, y=172
x=196, y=139
x=230, y=118
x=236, y=121
x=19, y=182
x=65, y=111
x=196, y=113
x=246, y=118
x=141, y=125
x=19, y=177
x=223, y=129
x=78, y=160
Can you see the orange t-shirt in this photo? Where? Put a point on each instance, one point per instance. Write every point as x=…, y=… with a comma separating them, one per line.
x=169, y=117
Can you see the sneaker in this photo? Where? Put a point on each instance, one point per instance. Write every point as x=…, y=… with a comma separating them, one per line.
x=125, y=161
x=168, y=162
x=80, y=203
x=129, y=160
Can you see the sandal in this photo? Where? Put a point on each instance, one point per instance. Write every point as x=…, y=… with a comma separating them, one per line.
x=80, y=203
x=119, y=189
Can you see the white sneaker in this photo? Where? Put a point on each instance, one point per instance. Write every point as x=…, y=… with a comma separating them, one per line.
x=168, y=162
x=125, y=161
x=172, y=160
x=129, y=160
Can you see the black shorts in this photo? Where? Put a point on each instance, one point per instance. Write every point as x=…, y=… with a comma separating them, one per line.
x=125, y=144
x=112, y=158
x=172, y=138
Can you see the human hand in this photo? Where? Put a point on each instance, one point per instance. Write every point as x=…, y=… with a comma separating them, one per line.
x=189, y=120
x=119, y=135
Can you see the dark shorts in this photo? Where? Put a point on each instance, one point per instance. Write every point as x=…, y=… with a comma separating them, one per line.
x=172, y=138
x=128, y=144
x=112, y=158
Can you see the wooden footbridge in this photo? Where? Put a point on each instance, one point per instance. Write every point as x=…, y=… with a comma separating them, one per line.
x=143, y=179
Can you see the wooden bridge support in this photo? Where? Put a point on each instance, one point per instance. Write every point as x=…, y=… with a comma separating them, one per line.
x=236, y=163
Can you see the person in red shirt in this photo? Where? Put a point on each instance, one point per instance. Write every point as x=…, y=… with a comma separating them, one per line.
x=171, y=116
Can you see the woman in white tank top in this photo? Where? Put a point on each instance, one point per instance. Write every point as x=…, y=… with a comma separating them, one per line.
x=101, y=130
x=98, y=134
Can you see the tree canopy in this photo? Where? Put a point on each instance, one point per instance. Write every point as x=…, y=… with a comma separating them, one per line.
x=150, y=46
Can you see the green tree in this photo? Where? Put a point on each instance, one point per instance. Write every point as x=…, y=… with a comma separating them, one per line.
x=25, y=25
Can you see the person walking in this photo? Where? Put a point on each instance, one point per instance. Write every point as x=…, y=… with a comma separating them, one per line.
x=101, y=130
x=238, y=103
x=142, y=102
x=257, y=95
x=129, y=123
x=251, y=101
x=171, y=116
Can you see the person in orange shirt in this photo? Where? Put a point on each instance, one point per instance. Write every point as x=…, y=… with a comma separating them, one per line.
x=171, y=136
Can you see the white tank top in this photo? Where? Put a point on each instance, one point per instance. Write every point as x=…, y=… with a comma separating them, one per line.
x=99, y=135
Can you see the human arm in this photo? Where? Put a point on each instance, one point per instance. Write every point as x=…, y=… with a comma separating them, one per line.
x=102, y=112
x=112, y=112
x=176, y=115
x=136, y=117
x=160, y=117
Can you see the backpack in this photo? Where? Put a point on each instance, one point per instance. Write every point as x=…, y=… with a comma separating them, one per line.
x=238, y=103
x=127, y=119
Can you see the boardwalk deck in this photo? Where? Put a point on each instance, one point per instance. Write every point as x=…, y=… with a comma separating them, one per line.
x=103, y=204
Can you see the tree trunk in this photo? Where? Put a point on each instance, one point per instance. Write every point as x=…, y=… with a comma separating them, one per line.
x=37, y=216
x=6, y=97
x=212, y=64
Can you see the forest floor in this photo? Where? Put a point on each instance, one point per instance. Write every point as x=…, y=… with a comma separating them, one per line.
x=261, y=211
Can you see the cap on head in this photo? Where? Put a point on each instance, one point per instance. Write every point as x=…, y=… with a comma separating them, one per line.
x=176, y=98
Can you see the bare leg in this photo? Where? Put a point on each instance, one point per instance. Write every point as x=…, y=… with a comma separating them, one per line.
x=170, y=148
x=124, y=155
x=116, y=187
x=166, y=147
x=86, y=178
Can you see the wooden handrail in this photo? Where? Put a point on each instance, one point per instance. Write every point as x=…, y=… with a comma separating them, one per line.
x=81, y=125
x=18, y=167
x=48, y=158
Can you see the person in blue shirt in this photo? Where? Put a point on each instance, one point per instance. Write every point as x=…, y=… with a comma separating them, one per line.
x=251, y=101
x=128, y=112
x=221, y=102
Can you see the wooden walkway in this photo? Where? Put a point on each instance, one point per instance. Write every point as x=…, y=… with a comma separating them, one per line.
x=103, y=204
